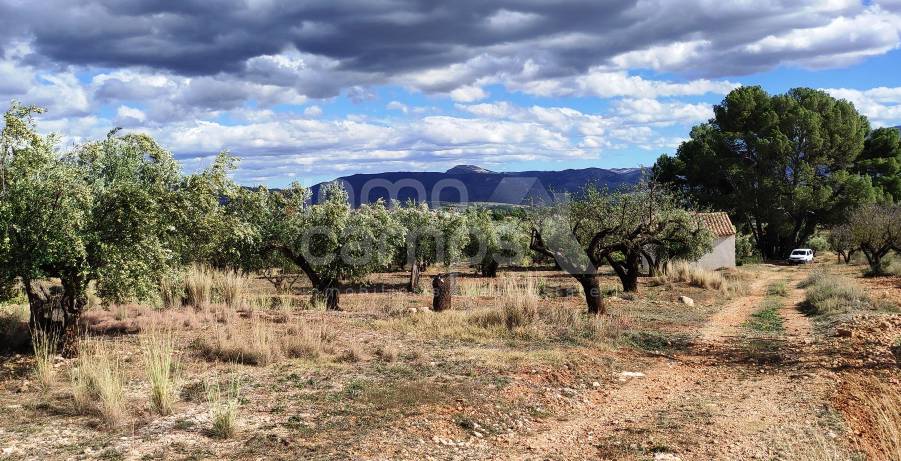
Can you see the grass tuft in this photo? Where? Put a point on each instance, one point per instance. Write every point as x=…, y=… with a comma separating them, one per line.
x=160, y=366
x=223, y=402
x=98, y=382
x=685, y=272
x=199, y=282
x=44, y=347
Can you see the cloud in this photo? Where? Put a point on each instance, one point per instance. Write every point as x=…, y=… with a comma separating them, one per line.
x=312, y=111
x=468, y=93
x=881, y=105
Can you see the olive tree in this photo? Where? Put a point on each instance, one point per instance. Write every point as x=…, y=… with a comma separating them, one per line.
x=841, y=241
x=329, y=241
x=430, y=237
x=94, y=215
x=876, y=231
x=614, y=228
x=494, y=241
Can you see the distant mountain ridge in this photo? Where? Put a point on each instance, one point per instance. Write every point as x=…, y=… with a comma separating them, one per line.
x=471, y=183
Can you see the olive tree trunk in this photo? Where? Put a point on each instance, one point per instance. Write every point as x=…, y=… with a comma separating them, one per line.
x=593, y=297
x=55, y=311
x=442, y=292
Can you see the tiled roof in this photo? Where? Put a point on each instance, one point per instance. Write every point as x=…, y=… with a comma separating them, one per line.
x=719, y=223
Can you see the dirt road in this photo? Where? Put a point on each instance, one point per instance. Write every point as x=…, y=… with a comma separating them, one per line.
x=730, y=397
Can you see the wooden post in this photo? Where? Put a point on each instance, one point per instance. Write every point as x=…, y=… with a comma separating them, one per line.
x=442, y=288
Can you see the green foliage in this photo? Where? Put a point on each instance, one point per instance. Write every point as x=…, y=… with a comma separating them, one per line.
x=745, y=250
x=495, y=241
x=831, y=295
x=817, y=243
x=780, y=165
x=99, y=213
x=875, y=230
x=767, y=319
x=432, y=236
x=616, y=227
x=881, y=160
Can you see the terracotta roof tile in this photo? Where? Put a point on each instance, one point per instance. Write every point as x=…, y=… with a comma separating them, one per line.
x=719, y=223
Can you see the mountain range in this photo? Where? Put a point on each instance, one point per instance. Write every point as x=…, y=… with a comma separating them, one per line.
x=473, y=184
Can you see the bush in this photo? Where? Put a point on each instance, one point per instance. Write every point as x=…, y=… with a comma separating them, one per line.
x=829, y=295
x=818, y=244
x=519, y=302
x=199, y=286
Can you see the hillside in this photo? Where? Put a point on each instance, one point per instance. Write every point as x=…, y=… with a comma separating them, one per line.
x=480, y=185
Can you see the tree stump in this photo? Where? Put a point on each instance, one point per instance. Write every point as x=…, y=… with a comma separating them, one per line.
x=442, y=287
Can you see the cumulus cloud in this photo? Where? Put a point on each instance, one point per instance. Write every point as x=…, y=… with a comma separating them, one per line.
x=881, y=105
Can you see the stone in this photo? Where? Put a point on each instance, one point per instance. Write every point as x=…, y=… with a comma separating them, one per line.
x=844, y=332
x=631, y=374
x=686, y=300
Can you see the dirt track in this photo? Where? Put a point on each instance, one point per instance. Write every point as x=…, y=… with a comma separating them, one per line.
x=714, y=402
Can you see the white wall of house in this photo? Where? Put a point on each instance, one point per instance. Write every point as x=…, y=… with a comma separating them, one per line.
x=722, y=254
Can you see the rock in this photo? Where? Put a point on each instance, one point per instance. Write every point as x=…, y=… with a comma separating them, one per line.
x=666, y=457
x=631, y=374
x=844, y=332
x=595, y=384
x=686, y=300
x=412, y=310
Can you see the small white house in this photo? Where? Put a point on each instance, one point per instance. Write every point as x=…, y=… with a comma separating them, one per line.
x=723, y=252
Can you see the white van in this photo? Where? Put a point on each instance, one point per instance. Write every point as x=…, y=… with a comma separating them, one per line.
x=801, y=256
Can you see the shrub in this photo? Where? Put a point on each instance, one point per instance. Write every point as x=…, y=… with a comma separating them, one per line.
x=829, y=294
x=44, y=346
x=223, y=402
x=779, y=288
x=818, y=244
x=98, y=382
x=160, y=365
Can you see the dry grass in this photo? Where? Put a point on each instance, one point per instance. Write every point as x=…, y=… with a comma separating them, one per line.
x=306, y=341
x=199, y=281
x=223, y=402
x=230, y=287
x=255, y=345
x=880, y=404
x=172, y=292
x=44, y=347
x=828, y=294
x=685, y=272
x=160, y=367
x=519, y=302
x=98, y=382
x=14, y=335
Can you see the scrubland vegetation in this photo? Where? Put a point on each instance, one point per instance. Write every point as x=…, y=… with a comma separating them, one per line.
x=185, y=316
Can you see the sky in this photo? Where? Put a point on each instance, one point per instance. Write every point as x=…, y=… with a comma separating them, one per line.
x=311, y=90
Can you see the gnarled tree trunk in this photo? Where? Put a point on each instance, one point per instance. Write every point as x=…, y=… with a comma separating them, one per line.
x=489, y=269
x=55, y=310
x=627, y=271
x=593, y=296
x=413, y=285
x=327, y=292
x=442, y=292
